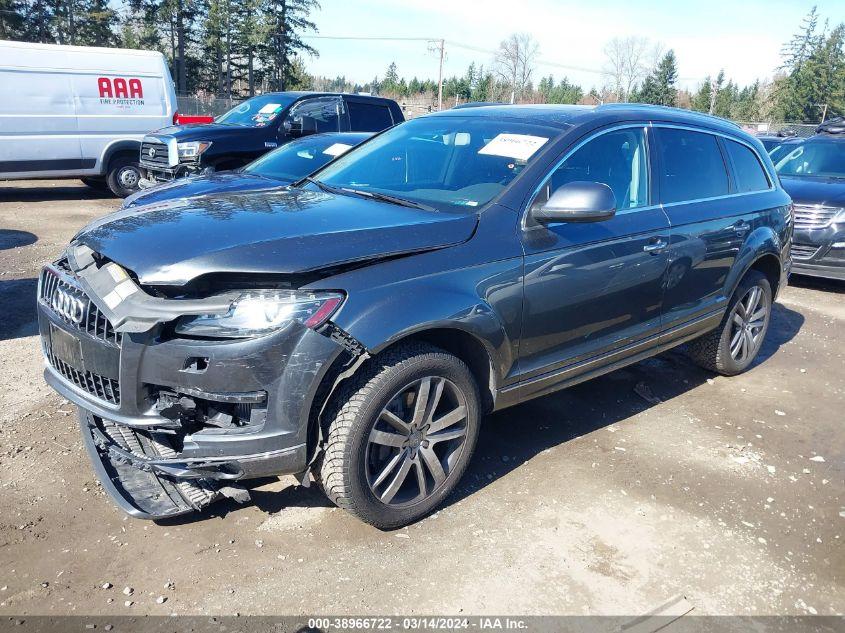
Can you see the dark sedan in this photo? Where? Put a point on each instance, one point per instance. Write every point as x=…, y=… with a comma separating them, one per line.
x=278, y=168
x=812, y=172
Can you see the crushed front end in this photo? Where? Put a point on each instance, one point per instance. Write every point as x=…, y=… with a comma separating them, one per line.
x=172, y=420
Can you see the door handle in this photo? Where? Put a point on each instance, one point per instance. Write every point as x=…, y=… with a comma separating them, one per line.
x=742, y=227
x=658, y=246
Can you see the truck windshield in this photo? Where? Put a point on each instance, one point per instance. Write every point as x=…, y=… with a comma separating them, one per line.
x=819, y=158
x=451, y=161
x=256, y=112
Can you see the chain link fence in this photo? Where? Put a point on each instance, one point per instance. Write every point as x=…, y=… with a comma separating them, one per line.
x=193, y=105
x=209, y=105
x=801, y=130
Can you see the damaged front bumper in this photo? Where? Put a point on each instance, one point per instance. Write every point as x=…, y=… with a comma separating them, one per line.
x=170, y=422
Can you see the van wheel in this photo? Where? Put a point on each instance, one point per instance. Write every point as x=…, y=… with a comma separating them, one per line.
x=400, y=435
x=96, y=183
x=123, y=176
x=732, y=347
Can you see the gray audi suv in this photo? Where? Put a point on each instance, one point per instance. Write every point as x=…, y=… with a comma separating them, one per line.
x=353, y=328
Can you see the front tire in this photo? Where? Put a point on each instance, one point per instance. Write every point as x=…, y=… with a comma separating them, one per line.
x=732, y=347
x=124, y=176
x=400, y=435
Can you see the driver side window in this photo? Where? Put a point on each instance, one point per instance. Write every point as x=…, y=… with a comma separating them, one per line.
x=617, y=159
x=318, y=115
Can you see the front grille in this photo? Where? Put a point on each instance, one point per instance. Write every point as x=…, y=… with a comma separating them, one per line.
x=58, y=280
x=104, y=388
x=160, y=158
x=811, y=217
x=93, y=321
x=803, y=251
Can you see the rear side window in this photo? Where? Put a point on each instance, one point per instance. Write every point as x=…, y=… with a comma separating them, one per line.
x=691, y=166
x=368, y=117
x=748, y=172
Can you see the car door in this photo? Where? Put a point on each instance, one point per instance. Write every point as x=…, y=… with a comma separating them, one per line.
x=593, y=291
x=313, y=116
x=708, y=222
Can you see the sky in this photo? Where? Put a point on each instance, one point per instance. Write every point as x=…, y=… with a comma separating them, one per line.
x=742, y=36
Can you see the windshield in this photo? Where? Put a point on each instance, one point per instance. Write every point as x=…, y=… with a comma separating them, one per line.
x=299, y=158
x=256, y=112
x=459, y=162
x=813, y=158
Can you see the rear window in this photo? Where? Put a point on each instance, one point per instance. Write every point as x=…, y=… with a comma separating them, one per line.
x=692, y=166
x=368, y=117
x=748, y=172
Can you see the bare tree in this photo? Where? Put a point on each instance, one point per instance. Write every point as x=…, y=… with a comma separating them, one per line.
x=627, y=64
x=514, y=62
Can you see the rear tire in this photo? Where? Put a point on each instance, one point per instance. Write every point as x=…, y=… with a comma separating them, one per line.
x=732, y=347
x=123, y=176
x=399, y=435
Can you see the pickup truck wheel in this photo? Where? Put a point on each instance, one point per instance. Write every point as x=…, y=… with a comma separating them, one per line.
x=732, y=347
x=123, y=176
x=400, y=435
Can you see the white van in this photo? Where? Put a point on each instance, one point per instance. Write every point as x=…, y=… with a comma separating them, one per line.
x=80, y=112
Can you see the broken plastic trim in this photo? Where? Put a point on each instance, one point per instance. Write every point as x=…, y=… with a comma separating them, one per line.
x=125, y=305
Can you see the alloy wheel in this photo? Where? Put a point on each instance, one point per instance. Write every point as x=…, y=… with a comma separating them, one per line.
x=748, y=324
x=416, y=441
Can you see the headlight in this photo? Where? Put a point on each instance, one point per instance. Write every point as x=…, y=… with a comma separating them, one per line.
x=192, y=150
x=260, y=312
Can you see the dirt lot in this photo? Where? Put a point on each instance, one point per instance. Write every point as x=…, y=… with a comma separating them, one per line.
x=611, y=497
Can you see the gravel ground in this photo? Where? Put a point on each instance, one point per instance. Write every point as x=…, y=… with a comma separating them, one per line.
x=612, y=497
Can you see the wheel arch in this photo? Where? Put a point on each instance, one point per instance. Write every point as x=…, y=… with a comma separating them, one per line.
x=117, y=148
x=761, y=251
x=455, y=340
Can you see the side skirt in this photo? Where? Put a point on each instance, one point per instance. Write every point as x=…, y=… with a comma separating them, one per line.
x=606, y=363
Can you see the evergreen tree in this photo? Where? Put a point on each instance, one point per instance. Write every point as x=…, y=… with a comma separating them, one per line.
x=287, y=21
x=659, y=87
x=12, y=19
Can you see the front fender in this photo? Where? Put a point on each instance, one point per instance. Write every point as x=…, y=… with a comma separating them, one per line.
x=484, y=301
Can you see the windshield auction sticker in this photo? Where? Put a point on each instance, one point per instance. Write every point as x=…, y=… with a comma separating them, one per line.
x=337, y=149
x=518, y=146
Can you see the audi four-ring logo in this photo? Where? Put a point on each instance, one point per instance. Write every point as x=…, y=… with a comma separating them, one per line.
x=70, y=307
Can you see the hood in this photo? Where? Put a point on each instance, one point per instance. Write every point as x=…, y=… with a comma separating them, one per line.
x=208, y=131
x=827, y=192
x=222, y=182
x=289, y=231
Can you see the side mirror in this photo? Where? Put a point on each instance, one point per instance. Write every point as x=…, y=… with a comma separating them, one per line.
x=302, y=126
x=578, y=201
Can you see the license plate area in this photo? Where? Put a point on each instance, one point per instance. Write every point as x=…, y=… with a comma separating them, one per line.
x=66, y=348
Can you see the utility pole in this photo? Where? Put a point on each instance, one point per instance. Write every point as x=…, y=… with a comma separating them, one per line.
x=440, y=77
x=714, y=90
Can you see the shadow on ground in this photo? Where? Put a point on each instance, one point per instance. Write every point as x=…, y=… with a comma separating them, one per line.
x=511, y=437
x=817, y=283
x=51, y=194
x=11, y=238
x=17, y=298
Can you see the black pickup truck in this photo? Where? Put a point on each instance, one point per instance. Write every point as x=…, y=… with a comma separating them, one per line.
x=256, y=126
